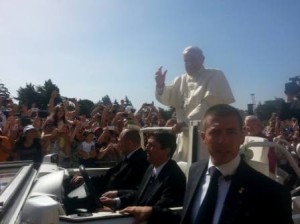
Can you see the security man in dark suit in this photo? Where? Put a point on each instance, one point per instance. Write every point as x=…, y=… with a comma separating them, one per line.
x=164, y=182
x=128, y=173
x=242, y=194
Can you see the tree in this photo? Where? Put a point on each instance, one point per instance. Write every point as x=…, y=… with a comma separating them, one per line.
x=264, y=111
x=86, y=107
x=106, y=100
x=27, y=95
x=127, y=102
x=4, y=95
x=4, y=91
x=39, y=95
x=45, y=94
x=116, y=102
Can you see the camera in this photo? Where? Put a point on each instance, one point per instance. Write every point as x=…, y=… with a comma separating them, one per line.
x=295, y=79
x=292, y=87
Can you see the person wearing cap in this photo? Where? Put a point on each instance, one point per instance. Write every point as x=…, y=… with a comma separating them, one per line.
x=29, y=147
x=191, y=94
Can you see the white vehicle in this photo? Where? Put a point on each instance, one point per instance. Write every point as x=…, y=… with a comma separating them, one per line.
x=30, y=196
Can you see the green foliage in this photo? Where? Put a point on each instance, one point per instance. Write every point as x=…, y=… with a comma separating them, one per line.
x=4, y=95
x=39, y=95
x=264, y=111
x=45, y=94
x=86, y=107
x=115, y=102
x=106, y=100
x=27, y=95
x=127, y=102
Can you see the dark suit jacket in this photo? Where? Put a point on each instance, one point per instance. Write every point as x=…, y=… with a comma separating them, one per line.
x=125, y=175
x=167, y=191
x=252, y=197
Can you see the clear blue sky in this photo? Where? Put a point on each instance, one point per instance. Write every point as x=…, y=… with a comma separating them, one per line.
x=92, y=48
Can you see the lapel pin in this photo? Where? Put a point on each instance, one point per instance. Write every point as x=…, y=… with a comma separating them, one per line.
x=241, y=190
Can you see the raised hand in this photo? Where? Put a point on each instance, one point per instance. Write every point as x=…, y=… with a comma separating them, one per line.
x=160, y=77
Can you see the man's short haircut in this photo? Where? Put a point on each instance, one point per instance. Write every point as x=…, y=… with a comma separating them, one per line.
x=166, y=140
x=222, y=110
x=132, y=135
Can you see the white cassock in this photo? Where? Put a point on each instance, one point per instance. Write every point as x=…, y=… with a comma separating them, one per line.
x=191, y=97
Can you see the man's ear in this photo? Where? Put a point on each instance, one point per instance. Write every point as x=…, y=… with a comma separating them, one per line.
x=202, y=135
x=243, y=135
x=202, y=60
x=168, y=151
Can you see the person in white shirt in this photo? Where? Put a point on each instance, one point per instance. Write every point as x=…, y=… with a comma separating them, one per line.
x=86, y=150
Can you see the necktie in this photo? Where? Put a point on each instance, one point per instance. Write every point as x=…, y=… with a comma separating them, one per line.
x=124, y=162
x=152, y=179
x=207, y=208
x=147, y=191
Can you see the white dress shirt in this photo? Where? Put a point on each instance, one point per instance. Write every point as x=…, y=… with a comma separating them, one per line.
x=226, y=170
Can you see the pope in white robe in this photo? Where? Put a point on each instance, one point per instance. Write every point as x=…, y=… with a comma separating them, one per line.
x=191, y=94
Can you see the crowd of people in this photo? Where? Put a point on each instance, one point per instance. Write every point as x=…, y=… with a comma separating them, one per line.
x=77, y=139
x=89, y=140
x=111, y=133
